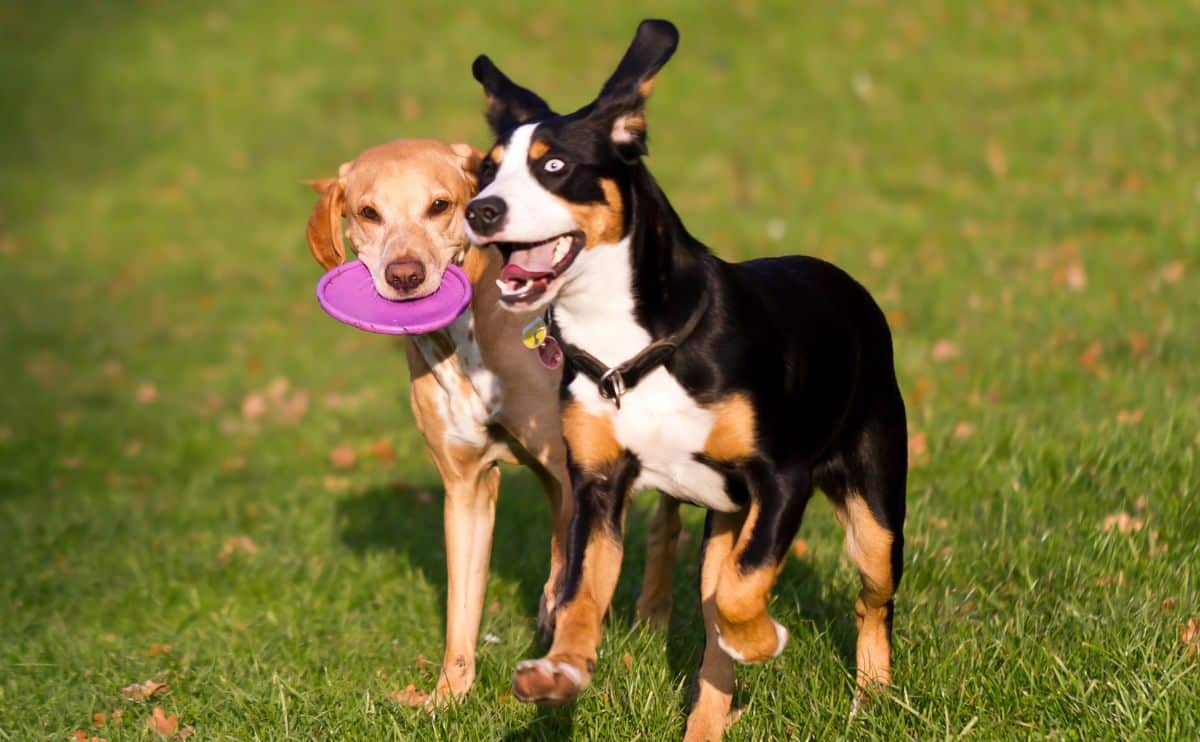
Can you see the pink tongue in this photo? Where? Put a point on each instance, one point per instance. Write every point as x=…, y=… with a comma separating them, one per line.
x=530, y=264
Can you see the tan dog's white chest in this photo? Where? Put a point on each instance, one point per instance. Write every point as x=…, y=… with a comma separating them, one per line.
x=471, y=397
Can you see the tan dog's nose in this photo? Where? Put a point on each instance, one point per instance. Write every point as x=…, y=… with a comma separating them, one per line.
x=405, y=275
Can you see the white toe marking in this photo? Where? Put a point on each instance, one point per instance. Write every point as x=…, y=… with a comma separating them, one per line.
x=781, y=638
x=733, y=654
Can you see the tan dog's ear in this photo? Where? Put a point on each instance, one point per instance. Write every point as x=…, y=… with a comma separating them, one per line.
x=325, y=223
x=469, y=159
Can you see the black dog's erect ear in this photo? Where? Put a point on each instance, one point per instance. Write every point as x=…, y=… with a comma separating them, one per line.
x=622, y=101
x=508, y=105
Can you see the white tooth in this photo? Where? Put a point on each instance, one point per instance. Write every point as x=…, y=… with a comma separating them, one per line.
x=560, y=250
x=502, y=284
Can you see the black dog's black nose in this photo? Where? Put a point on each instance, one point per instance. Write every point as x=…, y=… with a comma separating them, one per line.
x=405, y=275
x=485, y=215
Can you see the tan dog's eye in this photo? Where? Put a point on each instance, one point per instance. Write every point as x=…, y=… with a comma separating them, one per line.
x=438, y=206
x=370, y=214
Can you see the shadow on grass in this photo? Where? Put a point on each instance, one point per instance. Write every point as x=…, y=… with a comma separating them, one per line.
x=388, y=518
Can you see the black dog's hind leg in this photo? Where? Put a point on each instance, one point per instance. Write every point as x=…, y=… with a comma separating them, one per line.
x=777, y=501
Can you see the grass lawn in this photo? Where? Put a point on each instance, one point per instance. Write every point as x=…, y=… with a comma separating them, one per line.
x=1016, y=182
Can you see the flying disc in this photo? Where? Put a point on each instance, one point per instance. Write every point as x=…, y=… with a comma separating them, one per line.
x=348, y=294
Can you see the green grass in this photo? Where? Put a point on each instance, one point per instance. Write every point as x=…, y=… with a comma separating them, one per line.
x=1020, y=179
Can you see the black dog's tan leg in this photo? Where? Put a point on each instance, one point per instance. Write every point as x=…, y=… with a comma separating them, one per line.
x=714, y=684
x=654, y=604
x=869, y=545
x=601, y=477
x=747, y=632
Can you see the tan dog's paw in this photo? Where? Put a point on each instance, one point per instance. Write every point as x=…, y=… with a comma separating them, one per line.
x=754, y=641
x=547, y=682
x=655, y=611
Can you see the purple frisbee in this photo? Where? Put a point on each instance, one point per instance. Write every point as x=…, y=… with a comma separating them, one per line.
x=348, y=295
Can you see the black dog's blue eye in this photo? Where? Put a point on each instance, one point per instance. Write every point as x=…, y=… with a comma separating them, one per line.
x=554, y=165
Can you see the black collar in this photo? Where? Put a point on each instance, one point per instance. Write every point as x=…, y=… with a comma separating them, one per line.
x=615, y=381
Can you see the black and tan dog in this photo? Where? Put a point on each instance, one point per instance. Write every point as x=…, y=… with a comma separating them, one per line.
x=736, y=387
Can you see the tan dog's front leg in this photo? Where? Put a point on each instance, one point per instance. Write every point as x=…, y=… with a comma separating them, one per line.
x=469, y=515
x=654, y=604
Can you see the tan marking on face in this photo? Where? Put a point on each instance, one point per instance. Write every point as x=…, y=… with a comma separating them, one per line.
x=732, y=437
x=538, y=149
x=869, y=545
x=590, y=438
x=602, y=223
x=646, y=87
x=497, y=154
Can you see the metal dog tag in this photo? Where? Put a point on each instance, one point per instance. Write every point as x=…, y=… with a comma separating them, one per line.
x=550, y=353
x=534, y=334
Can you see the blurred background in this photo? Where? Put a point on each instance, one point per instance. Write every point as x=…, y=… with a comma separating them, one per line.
x=206, y=482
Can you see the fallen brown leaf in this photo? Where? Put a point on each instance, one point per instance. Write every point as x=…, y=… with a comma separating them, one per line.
x=921, y=390
x=115, y=716
x=1123, y=522
x=342, y=457
x=918, y=449
x=1138, y=343
x=1172, y=272
x=147, y=393
x=1169, y=604
x=1074, y=276
x=1129, y=417
x=410, y=696
x=1090, y=357
x=800, y=548
x=254, y=406
x=1140, y=503
x=383, y=450
x=144, y=691
x=997, y=160
x=944, y=350
x=162, y=724
x=627, y=661
x=98, y=719
x=157, y=649
x=964, y=430
x=1189, y=634
x=336, y=484
x=1111, y=581
x=237, y=545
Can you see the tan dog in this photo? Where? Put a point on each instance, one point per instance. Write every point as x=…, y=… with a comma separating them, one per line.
x=478, y=396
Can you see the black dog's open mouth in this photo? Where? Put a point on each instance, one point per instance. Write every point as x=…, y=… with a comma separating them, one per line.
x=529, y=267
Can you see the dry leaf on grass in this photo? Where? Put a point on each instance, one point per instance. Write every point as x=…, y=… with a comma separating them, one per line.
x=144, y=691
x=410, y=696
x=1169, y=604
x=342, y=457
x=147, y=393
x=98, y=719
x=1089, y=359
x=944, y=350
x=237, y=545
x=1189, y=634
x=918, y=449
x=254, y=406
x=336, y=484
x=1172, y=272
x=1129, y=417
x=997, y=160
x=1138, y=343
x=627, y=661
x=800, y=548
x=964, y=430
x=383, y=450
x=1123, y=522
x=115, y=716
x=157, y=649
x=162, y=724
